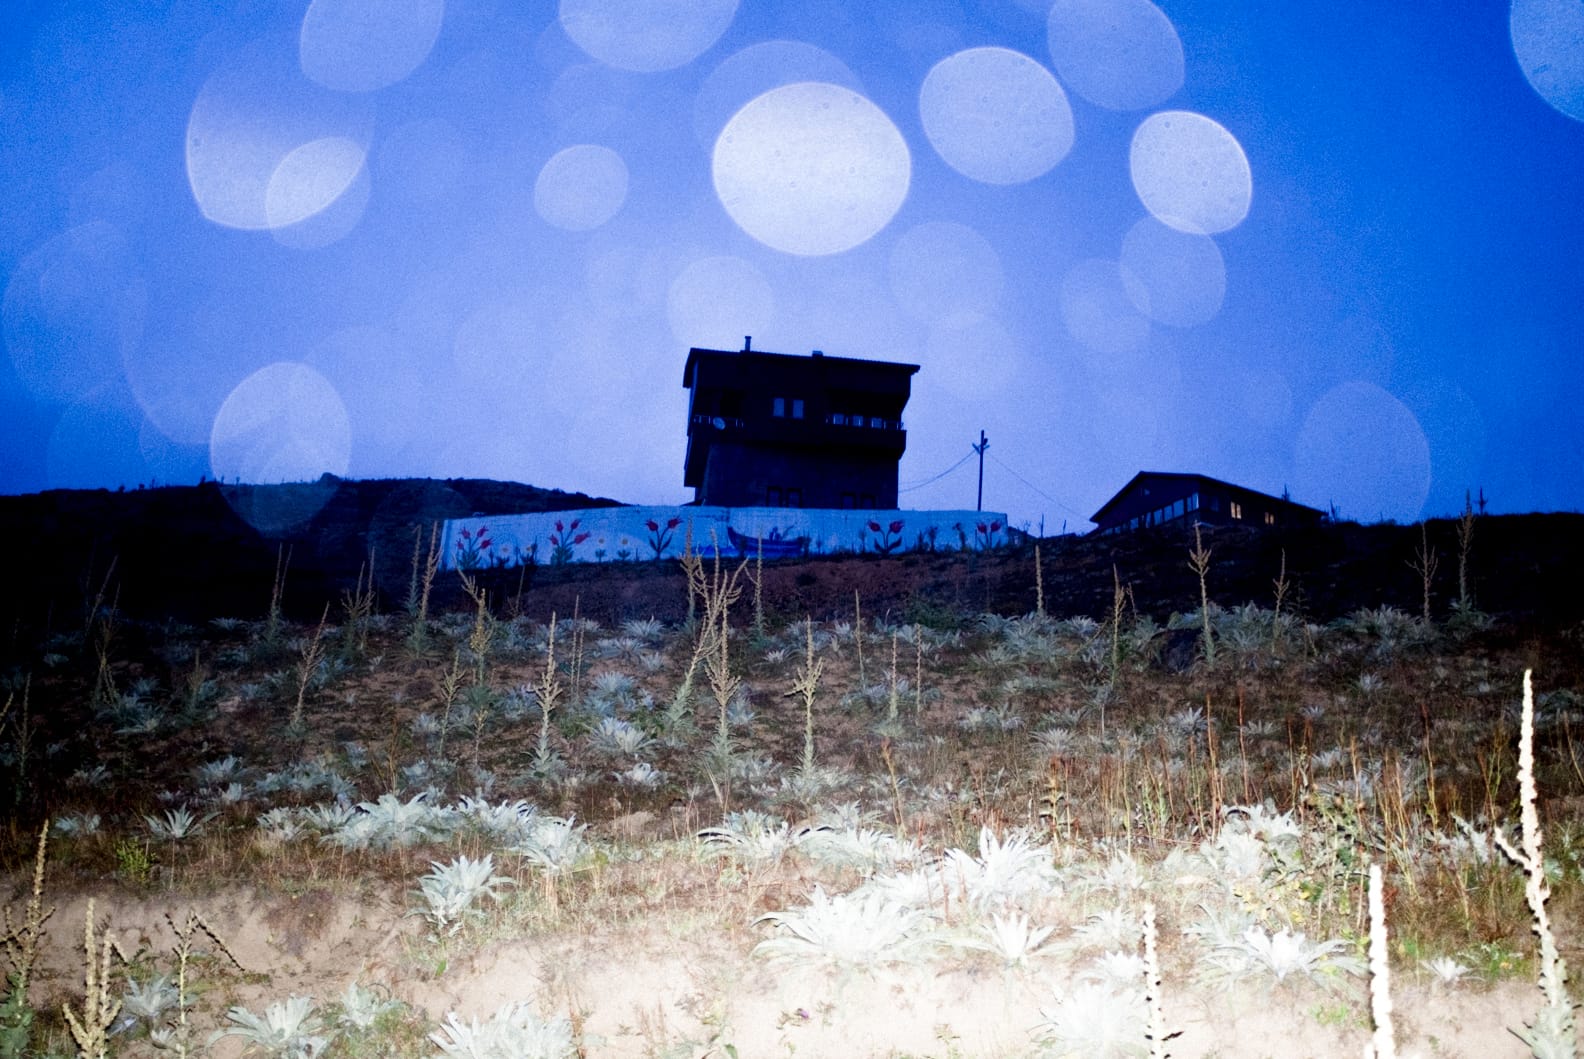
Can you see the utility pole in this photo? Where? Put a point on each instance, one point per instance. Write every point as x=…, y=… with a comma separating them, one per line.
x=984, y=443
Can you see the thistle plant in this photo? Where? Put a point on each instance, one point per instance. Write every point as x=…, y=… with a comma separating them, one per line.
x=450, y=891
x=514, y=1032
x=1199, y=563
x=723, y=685
x=91, y=1028
x=547, y=693
x=1012, y=938
x=1552, y=1034
x=308, y=668
x=177, y=824
x=22, y=937
x=1095, y=1021
x=362, y=1007
x=424, y=567
x=806, y=687
x=1383, y=1045
x=863, y=930
x=290, y=1029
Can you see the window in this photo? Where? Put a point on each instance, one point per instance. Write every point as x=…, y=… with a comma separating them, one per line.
x=849, y=500
x=838, y=419
x=1215, y=503
x=1270, y=518
x=778, y=407
x=773, y=496
x=1177, y=509
x=877, y=423
x=794, y=498
x=867, y=500
x=1193, y=501
x=797, y=408
x=1236, y=509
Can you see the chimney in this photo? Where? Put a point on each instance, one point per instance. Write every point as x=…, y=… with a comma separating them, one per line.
x=819, y=352
x=747, y=343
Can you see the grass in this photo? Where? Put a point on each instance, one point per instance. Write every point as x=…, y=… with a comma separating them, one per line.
x=1063, y=811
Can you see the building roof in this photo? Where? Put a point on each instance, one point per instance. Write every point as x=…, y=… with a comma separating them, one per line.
x=753, y=358
x=1145, y=476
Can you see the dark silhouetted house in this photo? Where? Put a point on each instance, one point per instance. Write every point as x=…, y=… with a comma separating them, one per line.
x=1156, y=498
x=774, y=430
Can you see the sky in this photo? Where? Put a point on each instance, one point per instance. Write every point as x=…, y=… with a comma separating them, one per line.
x=1329, y=249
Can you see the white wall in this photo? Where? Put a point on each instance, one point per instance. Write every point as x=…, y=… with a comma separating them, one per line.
x=612, y=534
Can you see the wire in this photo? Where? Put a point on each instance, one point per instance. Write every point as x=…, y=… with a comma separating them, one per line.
x=919, y=485
x=1037, y=489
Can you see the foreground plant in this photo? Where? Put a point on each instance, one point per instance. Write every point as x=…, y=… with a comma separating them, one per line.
x=91, y=1028
x=450, y=891
x=861, y=930
x=287, y=1030
x=513, y=1032
x=1552, y=1034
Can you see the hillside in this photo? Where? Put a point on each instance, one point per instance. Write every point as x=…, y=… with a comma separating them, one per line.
x=197, y=553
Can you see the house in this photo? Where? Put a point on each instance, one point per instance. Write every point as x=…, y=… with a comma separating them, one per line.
x=1156, y=498
x=779, y=430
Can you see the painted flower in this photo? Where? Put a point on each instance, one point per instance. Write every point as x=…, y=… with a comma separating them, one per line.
x=895, y=527
x=874, y=527
x=654, y=527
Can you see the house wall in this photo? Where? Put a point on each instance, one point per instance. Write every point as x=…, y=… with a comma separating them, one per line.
x=750, y=475
x=774, y=430
x=1166, y=501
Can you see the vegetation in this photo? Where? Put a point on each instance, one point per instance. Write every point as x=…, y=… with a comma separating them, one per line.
x=1341, y=819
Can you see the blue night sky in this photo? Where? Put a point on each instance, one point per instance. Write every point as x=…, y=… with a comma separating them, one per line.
x=1333, y=248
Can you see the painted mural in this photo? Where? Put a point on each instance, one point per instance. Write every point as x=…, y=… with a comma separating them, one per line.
x=639, y=534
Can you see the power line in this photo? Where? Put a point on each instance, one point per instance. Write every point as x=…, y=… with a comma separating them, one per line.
x=1037, y=489
x=919, y=485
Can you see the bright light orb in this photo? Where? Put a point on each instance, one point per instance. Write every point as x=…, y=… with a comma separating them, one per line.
x=1190, y=172
x=364, y=45
x=1174, y=277
x=331, y=223
x=943, y=272
x=581, y=187
x=811, y=169
x=1362, y=449
x=1117, y=54
x=73, y=308
x=995, y=115
x=646, y=36
x=283, y=423
x=1097, y=307
x=310, y=178
x=266, y=147
x=756, y=70
x=1548, y=40
x=716, y=300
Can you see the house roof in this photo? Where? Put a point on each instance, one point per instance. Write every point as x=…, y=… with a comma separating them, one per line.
x=754, y=357
x=1162, y=476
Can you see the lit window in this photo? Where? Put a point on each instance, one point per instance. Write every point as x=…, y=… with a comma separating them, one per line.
x=794, y=498
x=838, y=419
x=1177, y=509
x=773, y=496
x=1270, y=518
x=778, y=407
x=797, y=408
x=1193, y=501
x=1236, y=509
x=876, y=422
